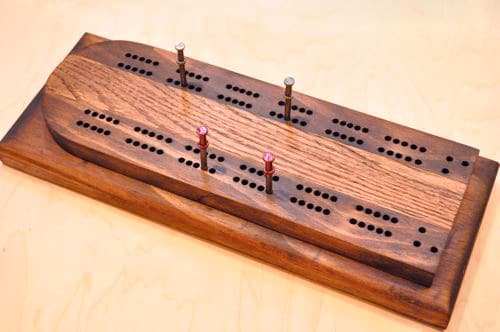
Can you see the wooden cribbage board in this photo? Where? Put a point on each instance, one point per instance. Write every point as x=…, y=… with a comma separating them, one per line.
x=376, y=209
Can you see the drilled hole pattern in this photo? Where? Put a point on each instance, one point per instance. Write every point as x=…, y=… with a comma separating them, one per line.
x=400, y=156
x=189, y=86
x=194, y=164
x=344, y=137
x=244, y=91
x=249, y=183
x=377, y=214
x=253, y=170
x=370, y=227
x=310, y=206
x=387, y=217
x=350, y=125
x=101, y=116
x=152, y=134
x=301, y=122
x=234, y=101
x=298, y=108
x=195, y=75
x=144, y=146
x=94, y=128
x=317, y=193
x=135, y=69
x=405, y=144
x=141, y=59
x=212, y=156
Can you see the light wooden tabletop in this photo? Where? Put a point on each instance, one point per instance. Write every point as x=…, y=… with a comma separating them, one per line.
x=70, y=263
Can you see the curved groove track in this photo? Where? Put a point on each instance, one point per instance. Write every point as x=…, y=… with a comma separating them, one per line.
x=137, y=85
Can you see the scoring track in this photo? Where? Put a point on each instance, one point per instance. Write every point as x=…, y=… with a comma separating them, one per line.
x=406, y=210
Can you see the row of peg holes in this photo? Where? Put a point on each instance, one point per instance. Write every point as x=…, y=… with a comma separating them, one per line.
x=101, y=116
x=196, y=76
x=189, y=86
x=245, y=182
x=317, y=193
x=142, y=59
x=422, y=149
x=234, y=101
x=152, y=134
x=194, y=164
x=350, y=125
x=253, y=170
x=398, y=155
x=294, y=120
x=310, y=206
x=242, y=90
x=377, y=214
x=337, y=134
x=135, y=69
x=370, y=227
x=144, y=146
x=87, y=125
x=296, y=107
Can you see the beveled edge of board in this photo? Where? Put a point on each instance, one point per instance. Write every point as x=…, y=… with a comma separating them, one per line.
x=432, y=305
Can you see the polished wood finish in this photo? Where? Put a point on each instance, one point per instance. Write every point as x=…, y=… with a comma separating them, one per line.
x=46, y=159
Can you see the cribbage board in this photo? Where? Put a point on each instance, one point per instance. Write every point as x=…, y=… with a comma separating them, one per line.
x=361, y=204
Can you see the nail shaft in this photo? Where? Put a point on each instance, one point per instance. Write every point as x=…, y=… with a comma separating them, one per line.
x=289, y=81
x=269, y=184
x=203, y=159
x=181, y=61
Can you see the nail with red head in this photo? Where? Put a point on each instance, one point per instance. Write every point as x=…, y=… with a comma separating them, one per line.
x=269, y=170
x=202, y=132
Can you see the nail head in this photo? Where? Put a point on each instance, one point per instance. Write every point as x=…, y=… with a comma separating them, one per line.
x=289, y=81
x=179, y=46
x=202, y=131
x=268, y=157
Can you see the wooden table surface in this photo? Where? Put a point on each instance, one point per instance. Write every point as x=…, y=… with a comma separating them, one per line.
x=70, y=263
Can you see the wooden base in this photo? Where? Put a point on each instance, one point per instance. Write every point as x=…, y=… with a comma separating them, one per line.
x=30, y=147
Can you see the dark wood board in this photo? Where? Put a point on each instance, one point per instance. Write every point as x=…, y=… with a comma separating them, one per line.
x=44, y=158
